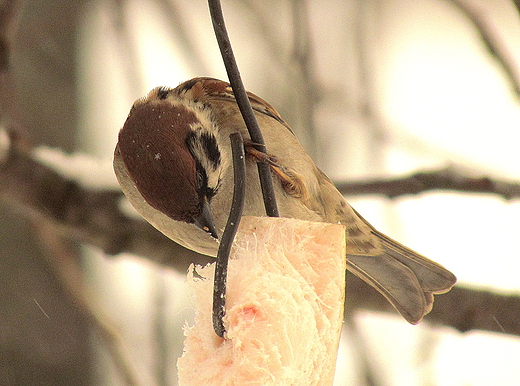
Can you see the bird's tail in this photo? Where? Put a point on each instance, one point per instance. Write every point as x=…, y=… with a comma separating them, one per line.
x=407, y=279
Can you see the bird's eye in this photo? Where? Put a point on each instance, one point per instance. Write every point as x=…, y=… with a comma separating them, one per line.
x=202, y=183
x=200, y=179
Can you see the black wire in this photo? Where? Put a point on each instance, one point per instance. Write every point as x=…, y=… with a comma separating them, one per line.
x=264, y=171
x=239, y=190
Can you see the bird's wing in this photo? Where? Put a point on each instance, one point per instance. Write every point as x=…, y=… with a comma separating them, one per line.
x=407, y=279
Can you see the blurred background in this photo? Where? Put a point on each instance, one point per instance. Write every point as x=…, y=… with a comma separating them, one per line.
x=373, y=88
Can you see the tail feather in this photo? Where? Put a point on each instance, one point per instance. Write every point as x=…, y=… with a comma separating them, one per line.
x=407, y=279
x=432, y=276
x=395, y=281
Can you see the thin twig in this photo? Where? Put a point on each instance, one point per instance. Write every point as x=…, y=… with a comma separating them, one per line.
x=492, y=42
x=449, y=178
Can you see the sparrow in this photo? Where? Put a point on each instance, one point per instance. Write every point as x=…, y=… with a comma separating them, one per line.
x=173, y=161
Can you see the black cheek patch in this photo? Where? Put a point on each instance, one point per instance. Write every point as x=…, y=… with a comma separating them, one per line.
x=209, y=144
x=202, y=180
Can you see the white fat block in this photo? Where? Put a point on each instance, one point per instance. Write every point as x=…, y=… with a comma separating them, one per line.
x=285, y=298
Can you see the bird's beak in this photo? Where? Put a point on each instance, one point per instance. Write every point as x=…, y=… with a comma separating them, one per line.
x=205, y=220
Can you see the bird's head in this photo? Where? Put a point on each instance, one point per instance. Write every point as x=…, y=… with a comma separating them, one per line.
x=169, y=148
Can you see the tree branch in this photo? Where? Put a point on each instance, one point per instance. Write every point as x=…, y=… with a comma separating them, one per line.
x=517, y=5
x=62, y=257
x=95, y=217
x=464, y=309
x=89, y=216
x=492, y=42
x=7, y=11
x=449, y=178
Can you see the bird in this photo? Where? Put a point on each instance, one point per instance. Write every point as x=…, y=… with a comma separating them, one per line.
x=173, y=162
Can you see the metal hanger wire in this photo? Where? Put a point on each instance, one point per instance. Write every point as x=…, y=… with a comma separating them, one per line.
x=266, y=181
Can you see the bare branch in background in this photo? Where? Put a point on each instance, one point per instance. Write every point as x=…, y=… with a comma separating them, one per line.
x=306, y=85
x=88, y=216
x=375, y=126
x=517, y=5
x=463, y=309
x=127, y=50
x=449, y=178
x=7, y=11
x=492, y=42
x=95, y=217
x=182, y=34
x=296, y=65
x=63, y=210
x=267, y=32
x=63, y=258
x=161, y=338
x=366, y=366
